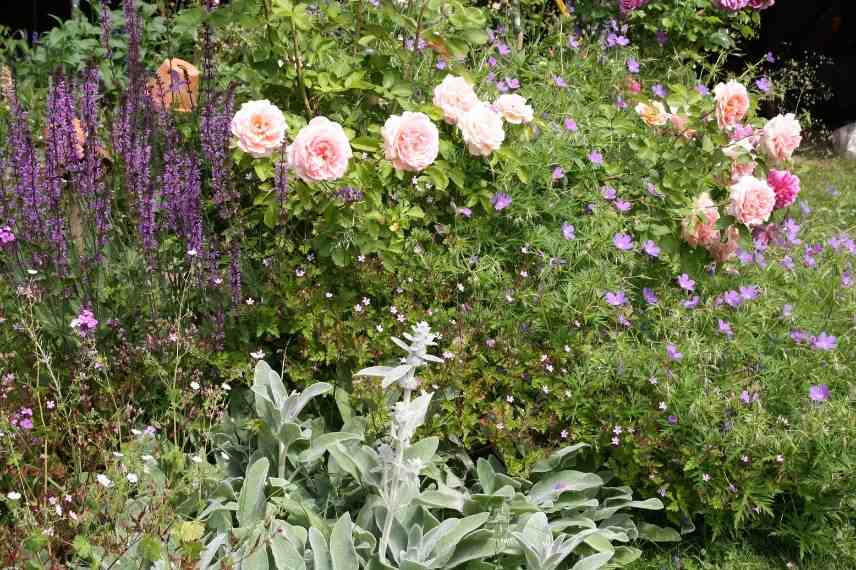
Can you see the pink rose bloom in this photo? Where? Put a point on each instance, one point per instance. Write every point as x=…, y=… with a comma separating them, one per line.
x=781, y=136
x=761, y=4
x=732, y=103
x=732, y=5
x=455, y=96
x=724, y=250
x=785, y=185
x=320, y=151
x=632, y=85
x=741, y=169
x=741, y=132
x=411, y=141
x=259, y=127
x=752, y=201
x=514, y=109
x=481, y=129
x=699, y=227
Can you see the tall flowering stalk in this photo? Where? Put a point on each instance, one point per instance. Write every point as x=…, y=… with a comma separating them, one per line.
x=400, y=480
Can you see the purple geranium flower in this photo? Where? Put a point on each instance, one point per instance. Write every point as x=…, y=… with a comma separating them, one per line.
x=616, y=299
x=622, y=205
x=662, y=38
x=685, y=282
x=659, y=91
x=651, y=248
x=732, y=298
x=649, y=296
x=702, y=90
x=568, y=231
x=500, y=201
x=570, y=125
x=818, y=392
x=748, y=292
x=824, y=341
x=632, y=65
x=800, y=336
x=622, y=241
x=673, y=353
x=595, y=157
x=692, y=302
x=558, y=173
x=725, y=328
x=608, y=192
x=764, y=84
x=560, y=81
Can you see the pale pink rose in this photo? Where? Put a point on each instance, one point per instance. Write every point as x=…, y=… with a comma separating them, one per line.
x=699, y=227
x=455, y=96
x=481, y=129
x=732, y=103
x=653, y=114
x=752, y=201
x=259, y=127
x=785, y=185
x=739, y=169
x=724, y=250
x=411, y=141
x=320, y=151
x=781, y=136
x=514, y=109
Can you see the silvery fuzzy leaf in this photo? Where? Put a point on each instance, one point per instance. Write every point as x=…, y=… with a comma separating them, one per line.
x=295, y=403
x=546, y=490
x=410, y=415
x=375, y=371
x=398, y=374
x=342, y=551
x=251, y=503
x=320, y=552
x=556, y=460
x=593, y=562
x=400, y=343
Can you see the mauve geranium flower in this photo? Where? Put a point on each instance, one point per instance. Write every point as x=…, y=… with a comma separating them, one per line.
x=800, y=336
x=686, y=283
x=673, y=420
x=622, y=241
x=692, y=302
x=749, y=292
x=649, y=296
x=595, y=157
x=568, y=231
x=622, y=205
x=702, y=90
x=608, y=192
x=725, y=328
x=560, y=82
x=818, y=392
x=632, y=65
x=616, y=299
x=500, y=201
x=651, y=248
x=764, y=84
x=570, y=125
x=824, y=341
x=558, y=173
x=659, y=91
x=732, y=298
x=673, y=353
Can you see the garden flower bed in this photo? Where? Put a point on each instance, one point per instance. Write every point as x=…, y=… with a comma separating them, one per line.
x=624, y=299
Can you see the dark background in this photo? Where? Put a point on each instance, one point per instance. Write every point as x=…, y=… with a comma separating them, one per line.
x=819, y=34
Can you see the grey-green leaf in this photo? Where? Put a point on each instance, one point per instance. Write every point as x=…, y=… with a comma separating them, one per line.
x=251, y=503
x=342, y=551
x=320, y=552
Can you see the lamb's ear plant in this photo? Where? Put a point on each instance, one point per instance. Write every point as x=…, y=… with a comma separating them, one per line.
x=338, y=502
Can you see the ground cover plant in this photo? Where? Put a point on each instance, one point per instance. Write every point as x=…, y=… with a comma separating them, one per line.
x=615, y=253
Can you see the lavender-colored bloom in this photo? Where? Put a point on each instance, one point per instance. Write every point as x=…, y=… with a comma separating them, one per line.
x=616, y=299
x=106, y=29
x=6, y=235
x=749, y=292
x=632, y=65
x=800, y=336
x=616, y=40
x=846, y=278
x=512, y=83
x=673, y=419
x=503, y=49
x=787, y=311
x=620, y=102
x=685, y=282
x=824, y=341
x=560, y=81
x=818, y=392
x=622, y=241
x=672, y=352
x=622, y=205
x=133, y=28
x=702, y=90
x=649, y=296
x=745, y=257
x=574, y=41
x=732, y=5
x=608, y=192
x=805, y=208
x=662, y=38
x=651, y=248
x=732, y=298
x=568, y=231
x=441, y=63
x=500, y=201
x=558, y=173
x=764, y=84
x=653, y=190
x=570, y=125
x=787, y=262
x=692, y=302
x=595, y=157
x=659, y=91
x=724, y=328
x=770, y=57
x=464, y=211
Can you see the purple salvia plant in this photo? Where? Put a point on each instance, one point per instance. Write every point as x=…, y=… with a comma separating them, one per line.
x=235, y=271
x=27, y=199
x=134, y=30
x=106, y=29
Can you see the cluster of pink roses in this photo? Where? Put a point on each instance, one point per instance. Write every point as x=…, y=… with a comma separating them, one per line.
x=480, y=123
x=751, y=200
x=320, y=151
x=737, y=5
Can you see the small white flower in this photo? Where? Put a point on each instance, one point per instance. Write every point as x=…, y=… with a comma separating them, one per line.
x=250, y=301
x=500, y=426
x=358, y=308
x=361, y=258
x=192, y=252
x=564, y=434
x=195, y=385
x=135, y=431
x=196, y=459
x=117, y=454
x=58, y=510
x=147, y=458
x=780, y=458
x=448, y=355
x=218, y=281
x=226, y=386
x=567, y=348
x=367, y=301
x=379, y=328
x=258, y=355
x=328, y=294
x=103, y=480
x=401, y=318
x=509, y=399
x=132, y=478
x=73, y=516
x=32, y=271
x=460, y=287
x=13, y=495
x=545, y=389
x=662, y=406
x=705, y=477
